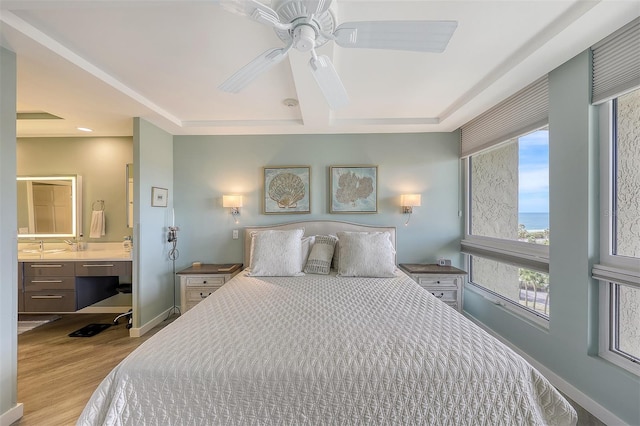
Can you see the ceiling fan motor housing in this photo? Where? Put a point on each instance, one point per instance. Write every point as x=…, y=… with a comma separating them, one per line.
x=307, y=32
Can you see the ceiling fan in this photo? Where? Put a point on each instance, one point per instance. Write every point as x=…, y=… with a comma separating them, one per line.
x=308, y=24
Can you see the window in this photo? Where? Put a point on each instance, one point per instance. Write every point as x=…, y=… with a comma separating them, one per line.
x=619, y=268
x=509, y=190
x=521, y=287
x=508, y=224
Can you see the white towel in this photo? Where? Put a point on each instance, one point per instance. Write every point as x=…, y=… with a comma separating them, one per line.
x=97, y=224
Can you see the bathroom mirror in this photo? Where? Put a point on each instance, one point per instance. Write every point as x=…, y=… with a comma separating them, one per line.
x=49, y=206
x=129, y=195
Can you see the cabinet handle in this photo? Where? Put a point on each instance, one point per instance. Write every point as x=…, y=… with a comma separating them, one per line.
x=46, y=281
x=47, y=265
x=47, y=297
x=440, y=296
x=203, y=296
x=106, y=265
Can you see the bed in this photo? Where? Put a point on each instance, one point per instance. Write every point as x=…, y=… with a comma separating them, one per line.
x=351, y=341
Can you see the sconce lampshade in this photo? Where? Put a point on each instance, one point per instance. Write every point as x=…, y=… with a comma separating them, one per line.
x=410, y=200
x=232, y=201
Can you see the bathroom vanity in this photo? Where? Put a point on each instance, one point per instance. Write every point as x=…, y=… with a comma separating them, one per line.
x=66, y=282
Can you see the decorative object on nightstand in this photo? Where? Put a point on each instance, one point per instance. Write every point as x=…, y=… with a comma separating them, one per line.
x=444, y=282
x=201, y=279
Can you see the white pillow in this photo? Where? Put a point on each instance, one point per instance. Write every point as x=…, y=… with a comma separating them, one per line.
x=319, y=261
x=276, y=253
x=366, y=254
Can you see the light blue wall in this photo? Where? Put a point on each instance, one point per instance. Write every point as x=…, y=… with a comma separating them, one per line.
x=206, y=167
x=153, y=271
x=574, y=202
x=8, y=240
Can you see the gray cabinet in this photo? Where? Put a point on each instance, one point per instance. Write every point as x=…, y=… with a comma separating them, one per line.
x=49, y=287
x=67, y=286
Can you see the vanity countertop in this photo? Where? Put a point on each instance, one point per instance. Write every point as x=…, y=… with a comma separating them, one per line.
x=105, y=251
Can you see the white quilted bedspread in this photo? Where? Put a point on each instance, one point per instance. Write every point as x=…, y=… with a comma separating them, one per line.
x=324, y=350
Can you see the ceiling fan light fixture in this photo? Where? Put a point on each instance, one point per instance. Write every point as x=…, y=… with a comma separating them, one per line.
x=304, y=38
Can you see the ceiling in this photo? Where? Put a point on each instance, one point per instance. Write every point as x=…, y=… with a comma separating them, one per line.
x=98, y=63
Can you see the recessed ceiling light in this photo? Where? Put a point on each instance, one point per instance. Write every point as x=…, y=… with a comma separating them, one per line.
x=290, y=102
x=84, y=129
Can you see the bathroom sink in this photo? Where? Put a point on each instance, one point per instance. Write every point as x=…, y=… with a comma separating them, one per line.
x=36, y=251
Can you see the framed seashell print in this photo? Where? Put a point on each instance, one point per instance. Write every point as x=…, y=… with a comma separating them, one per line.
x=287, y=190
x=353, y=189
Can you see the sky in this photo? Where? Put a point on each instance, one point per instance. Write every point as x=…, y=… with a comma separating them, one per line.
x=533, y=196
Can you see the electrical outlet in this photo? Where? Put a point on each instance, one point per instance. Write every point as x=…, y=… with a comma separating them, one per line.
x=235, y=234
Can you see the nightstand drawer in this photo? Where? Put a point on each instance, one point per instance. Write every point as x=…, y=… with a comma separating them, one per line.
x=204, y=281
x=440, y=281
x=448, y=296
x=196, y=294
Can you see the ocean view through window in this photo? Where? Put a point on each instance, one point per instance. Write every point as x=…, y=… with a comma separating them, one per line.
x=508, y=229
x=534, y=221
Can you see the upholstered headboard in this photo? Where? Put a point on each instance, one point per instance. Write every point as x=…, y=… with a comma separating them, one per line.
x=315, y=227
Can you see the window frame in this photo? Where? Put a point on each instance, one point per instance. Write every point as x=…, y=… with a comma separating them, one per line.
x=513, y=252
x=612, y=269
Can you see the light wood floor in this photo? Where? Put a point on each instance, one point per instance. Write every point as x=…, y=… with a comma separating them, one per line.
x=57, y=374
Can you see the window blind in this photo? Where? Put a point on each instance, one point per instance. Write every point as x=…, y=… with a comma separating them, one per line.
x=616, y=63
x=529, y=259
x=519, y=114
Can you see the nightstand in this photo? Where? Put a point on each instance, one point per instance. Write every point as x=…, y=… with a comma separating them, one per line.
x=444, y=282
x=198, y=282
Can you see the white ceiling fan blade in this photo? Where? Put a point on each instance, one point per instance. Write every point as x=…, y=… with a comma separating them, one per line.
x=417, y=36
x=329, y=82
x=254, y=10
x=253, y=69
x=316, y=7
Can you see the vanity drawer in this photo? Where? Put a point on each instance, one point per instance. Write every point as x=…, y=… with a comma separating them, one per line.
x=49, y=269
x=50, y=301
x=102, y=269
x=20, y=288
x=49, y=283
x=209, y=281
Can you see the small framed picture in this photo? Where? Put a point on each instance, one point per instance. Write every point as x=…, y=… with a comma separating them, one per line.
x=353, y=189
x=286, y=190
x=159, y=196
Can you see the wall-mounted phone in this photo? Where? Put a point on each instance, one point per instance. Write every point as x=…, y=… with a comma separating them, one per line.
x=173, y=234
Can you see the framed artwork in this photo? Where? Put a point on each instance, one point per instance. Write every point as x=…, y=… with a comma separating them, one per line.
x=287, y=190
x=353, y=189
x=159, y=196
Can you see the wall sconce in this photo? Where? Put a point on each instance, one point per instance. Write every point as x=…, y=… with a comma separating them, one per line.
x=408, y=202
x=234, y=202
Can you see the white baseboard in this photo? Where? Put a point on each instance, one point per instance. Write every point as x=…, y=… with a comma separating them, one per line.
x=571, y=391
x=138, y=332
x=12, y=415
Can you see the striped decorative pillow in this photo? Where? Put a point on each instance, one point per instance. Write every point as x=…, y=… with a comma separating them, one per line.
x=319, y=261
